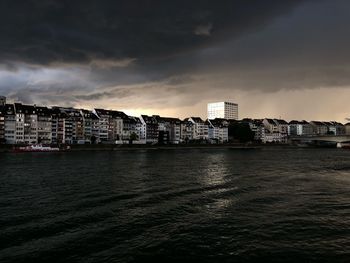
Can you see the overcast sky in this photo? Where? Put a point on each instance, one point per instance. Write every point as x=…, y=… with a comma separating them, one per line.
x=288, y=59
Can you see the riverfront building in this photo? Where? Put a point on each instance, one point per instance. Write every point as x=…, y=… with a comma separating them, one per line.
x=171, y=127
x=2, y=124
x=276, y=130
x=91, y=127
x=116, y=126
x=10, y=123
x=218, y=130
x=223, y=110
x=187, y=128
x=44, y=125
x=200, y=128
x=300, y=128
x=31, y=124
x=151, y=126
x=256, y=126
x=347, y=128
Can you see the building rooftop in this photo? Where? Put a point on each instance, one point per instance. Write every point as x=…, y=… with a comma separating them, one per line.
x=197, y=119
x=149, y=119
x=89, y=114
x=9, y=109
x=25, y=109
x=271, y=121
x=44, y=111
x=318, y=123
x=222, y=102
x=219, y=122
x=298, y=122
x=169, y=119
x=280, y=122
x=111, y=113
x=337, y=123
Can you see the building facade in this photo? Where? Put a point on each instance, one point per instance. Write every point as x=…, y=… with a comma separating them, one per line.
x=218, y=130
x=270, y=126
x=2, y=124
x=169, y=128
x=44, y=125
x=276, y=131
x=222, y=110
x=187, y=129
x=152, y=129
x=91, y=128
x=200, y=128
x=256, y=126
x=299, y=128
x=10, y=123
x=140, y=129
x=58, y=129
x=319, y=128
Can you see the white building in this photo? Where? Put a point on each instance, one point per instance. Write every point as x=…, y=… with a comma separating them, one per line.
x=223, y=110
x=218, y=130
x=10, y=124
x=91, y=126
x=104, y=124
x=140, y=129
x=200, y=128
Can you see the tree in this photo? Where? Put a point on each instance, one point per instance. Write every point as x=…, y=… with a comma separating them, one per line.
x=241, y=132
x=133, y=137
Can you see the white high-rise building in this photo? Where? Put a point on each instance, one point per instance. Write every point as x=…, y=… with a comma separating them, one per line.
x=224, y=110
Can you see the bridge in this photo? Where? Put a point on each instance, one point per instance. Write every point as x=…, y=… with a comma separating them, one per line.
x=321, y=139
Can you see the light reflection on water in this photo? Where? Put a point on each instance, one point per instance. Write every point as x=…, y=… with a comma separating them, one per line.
x=208, y=205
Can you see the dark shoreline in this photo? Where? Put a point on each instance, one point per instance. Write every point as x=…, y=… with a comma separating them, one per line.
x=128, y=147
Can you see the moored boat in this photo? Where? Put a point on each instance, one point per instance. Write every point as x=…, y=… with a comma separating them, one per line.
x=343, y=145
x=36, y=148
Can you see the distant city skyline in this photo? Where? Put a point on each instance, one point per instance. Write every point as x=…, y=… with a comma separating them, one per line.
x=214, y=115
x=33, y=124
x=274, y=58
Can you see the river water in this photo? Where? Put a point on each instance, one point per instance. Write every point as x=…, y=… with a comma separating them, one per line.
x=205, y=205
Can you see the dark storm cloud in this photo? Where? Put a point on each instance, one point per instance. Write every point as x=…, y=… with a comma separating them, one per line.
x=172, y=57
x=81, y=31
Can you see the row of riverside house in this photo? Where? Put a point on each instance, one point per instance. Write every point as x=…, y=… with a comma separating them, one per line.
x=32, y=124
x=277, y=130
